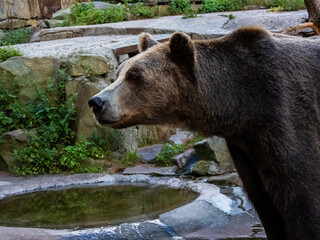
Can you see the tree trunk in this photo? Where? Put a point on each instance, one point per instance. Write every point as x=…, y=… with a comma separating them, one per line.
x=313, y=7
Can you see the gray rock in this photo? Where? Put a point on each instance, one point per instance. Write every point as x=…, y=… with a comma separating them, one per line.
x=26, y=72
x=204, y=150
x=24, y=9
x=227, y=179
x=181, y=137
x=62, y=14
x=194, y=216
x=85, y=123
x=13, y=24
x=220, y=168
x=2, y=34
x=88, y=64
x=201, y=168
x=151, y=231
x=148, y=154
x=186, y=161
x=128, y=232
x=150, y=170
x=12, y=141
x=184, y=158
x=52, y=23
x=216, y=151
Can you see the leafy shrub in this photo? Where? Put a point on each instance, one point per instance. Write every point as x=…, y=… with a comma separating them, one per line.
x=286, y=5
x=180, y=6
x=189, y=14
x=86, y=14
x=109, y=139
x=222, y=5
x=141, y=11
x=8, y=52
x=17, y=36
x=130, y=158
x=168, y=151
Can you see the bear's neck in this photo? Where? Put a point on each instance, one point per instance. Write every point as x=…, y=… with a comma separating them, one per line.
x=229, y=99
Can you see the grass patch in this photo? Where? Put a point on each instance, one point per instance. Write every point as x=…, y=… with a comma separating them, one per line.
x=222, y=5
x=86, y=14
x=141, y=11
x=180, y=6
x=8, y=52
x=233, y=5
x=130, y=158
x=18, y=36
x=286, y=5
x=164, y=158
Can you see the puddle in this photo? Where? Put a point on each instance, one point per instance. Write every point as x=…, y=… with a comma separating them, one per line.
x=93, y=206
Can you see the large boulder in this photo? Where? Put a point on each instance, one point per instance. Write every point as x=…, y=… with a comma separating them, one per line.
x=201, y=168
x=62, y=14
x=24, y=75
x=12, y=141
x=148, y=154
x=181, y=137
x=23, y=9
x=52, y=23
x=85, y=124
x=215, y=151
x=88, y=64
x=13, y=24
x=31, y=9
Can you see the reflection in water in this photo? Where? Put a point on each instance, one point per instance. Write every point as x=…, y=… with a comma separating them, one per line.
x=91, y=206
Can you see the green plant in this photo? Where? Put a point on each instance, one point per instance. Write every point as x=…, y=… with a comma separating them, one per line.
x=286, y=5
x=130, y=158
x=108, y=139
x=196, y=138
x=8, y=52
x=168, y=151
x=189, y=14
x=52, y=121
x=85, y=14
x=231, y=16
x=52, y=148
x=141, y=11
x=146, y=139
x=17, y=36
x=180, y=6
x=221, y=5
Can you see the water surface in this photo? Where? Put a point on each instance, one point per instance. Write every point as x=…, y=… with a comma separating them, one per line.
x=91, y=206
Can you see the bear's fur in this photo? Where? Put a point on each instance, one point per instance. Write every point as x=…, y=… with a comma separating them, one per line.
x=261, y=93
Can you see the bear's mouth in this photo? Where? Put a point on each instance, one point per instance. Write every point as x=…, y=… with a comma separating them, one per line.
x=110, y=123
x=106, y=122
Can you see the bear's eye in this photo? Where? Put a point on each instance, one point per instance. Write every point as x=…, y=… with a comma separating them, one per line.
x=133, y=76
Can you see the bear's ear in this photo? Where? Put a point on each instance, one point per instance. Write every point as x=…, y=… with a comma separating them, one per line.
x=145, y=42
x=182, y=51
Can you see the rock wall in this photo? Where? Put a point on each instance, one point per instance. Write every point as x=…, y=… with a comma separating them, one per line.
x=32, y=9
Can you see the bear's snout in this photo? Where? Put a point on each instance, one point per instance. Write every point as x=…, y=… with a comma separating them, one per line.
x=96, y=103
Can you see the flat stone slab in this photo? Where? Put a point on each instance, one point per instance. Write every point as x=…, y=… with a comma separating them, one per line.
x=212, y=215
x=97, y=45
x=205, y=26
x=150, y=170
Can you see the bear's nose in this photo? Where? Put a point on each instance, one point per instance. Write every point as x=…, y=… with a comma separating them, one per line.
x=96, y=103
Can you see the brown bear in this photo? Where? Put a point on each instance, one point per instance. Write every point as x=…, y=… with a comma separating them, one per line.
x=260, y=92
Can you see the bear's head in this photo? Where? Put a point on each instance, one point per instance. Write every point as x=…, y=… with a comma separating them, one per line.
x=152, y=87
